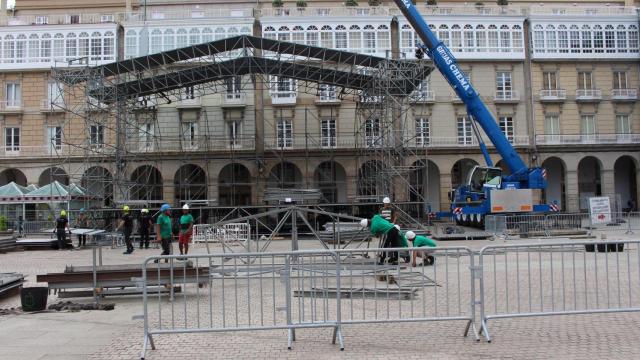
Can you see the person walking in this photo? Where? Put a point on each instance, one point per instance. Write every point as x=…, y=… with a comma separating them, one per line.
x=186, y=229
x=82, y=221
x=163, y=230
x=418, y=241
x=62, y=226
x=146, y=222
x=126, y=224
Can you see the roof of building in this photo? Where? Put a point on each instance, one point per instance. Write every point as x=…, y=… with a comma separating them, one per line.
x=204, y=63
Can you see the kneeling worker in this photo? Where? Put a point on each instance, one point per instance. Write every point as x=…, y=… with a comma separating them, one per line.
x=420, y=242
x=380, y=227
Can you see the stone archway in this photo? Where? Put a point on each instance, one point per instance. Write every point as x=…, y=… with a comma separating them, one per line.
x=589, y=180
x=555, y=193
x=626, y=183
x=234, y=185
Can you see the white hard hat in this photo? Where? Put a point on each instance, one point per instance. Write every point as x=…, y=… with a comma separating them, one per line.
x=397, y=227
x=410, y=235
x=386, y=200
x=185, y=207
x=364, y=222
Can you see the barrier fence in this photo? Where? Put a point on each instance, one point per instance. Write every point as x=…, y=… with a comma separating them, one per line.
x=558, y=279
x=302, y=289
x=558, y=224
x=345, y=287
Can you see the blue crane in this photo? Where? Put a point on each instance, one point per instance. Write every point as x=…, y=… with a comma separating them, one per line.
x=484, y=190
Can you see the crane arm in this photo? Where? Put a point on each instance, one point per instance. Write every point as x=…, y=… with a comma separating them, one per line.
x=448, y=67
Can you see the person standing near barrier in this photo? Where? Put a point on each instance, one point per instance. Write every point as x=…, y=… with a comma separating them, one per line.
x=387, y=211
x=163, y=230
x=126, y=224
x=378, y=226
x=420, y=242
x=146, y=222
x=82, y=222
x=186, y=229
x=62, y=226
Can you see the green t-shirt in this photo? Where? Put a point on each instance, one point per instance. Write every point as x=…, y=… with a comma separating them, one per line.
x=379, y=225
x=165, y=226
x=421, y=241
x=185, y=221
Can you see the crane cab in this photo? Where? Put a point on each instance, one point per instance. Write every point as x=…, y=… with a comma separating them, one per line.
x=481, y=178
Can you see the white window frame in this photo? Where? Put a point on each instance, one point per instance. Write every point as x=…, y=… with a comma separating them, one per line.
x=284, y=134
x=620, y=80
x=96, y=136
x=585, y=80
x=588, y=125
x=464, y=130
x=423, y=132
x=12, y=140
x=504, y=85
x=13, y=95
x=552, y=124
x=146, y=136
x=372, y=132
x=189, y=135
x=54, y=139
x=328, y=92
x=623, y=124
x=234, y=133
x=233, y=87
x=42, y=20
x=507, y=126
x=328, y=134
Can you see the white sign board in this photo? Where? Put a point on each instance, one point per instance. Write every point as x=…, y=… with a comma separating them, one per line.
x=600, y=210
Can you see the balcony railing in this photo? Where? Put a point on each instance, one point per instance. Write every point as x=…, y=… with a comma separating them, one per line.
x=200, y=143
x=553, y=95
x=564, y=10
x=11, y=106
x=48, y=105
x=624, y=94
x=188, y=102
x=351, y=11
x=61, y=19
x=588, y=95
x=49, y=150
x=283, y=97
x=422, y=96
x=506, y=96
x=580, y=139
x=234, y=99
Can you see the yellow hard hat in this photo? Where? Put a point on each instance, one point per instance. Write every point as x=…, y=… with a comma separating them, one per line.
x=125, y=208
x=63, y=213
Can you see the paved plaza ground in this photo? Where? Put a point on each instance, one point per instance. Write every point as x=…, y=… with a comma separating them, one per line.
x=116, y=335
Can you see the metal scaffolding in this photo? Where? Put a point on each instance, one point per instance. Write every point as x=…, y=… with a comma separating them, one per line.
x=125, y=100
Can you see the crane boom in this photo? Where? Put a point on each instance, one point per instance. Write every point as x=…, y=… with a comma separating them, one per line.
x=448, y=67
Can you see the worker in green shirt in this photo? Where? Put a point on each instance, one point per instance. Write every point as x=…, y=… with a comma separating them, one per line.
x=186, y=229
x=381, y=227
x=163, y=230
x=421, y=242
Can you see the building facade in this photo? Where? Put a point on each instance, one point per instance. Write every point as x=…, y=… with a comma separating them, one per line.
x=562, y=81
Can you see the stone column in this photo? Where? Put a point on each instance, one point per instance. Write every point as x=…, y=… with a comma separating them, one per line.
x=572, y=194
x=608, y=184
x=445, y=187
x=168, y=191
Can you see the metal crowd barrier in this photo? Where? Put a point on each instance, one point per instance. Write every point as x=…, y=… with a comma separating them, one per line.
x=558, y=224
x=303, y=289
x=558, y=279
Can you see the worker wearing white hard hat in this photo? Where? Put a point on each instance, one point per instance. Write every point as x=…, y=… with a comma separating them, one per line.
x=186, y=229
x=387, y=211
x=380, y=227
x=418, y=241
x=145, y=224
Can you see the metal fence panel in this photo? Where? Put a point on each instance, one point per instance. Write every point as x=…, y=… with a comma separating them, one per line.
x=565, y=278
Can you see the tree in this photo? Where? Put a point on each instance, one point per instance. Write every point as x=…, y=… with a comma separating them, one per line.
x=277, y=3
x=351, y=3
x=374, y=2
x=301, y=4
x=432, y=2
x=503, y=2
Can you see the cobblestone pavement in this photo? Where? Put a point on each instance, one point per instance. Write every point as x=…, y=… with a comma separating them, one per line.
x=115, y=335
